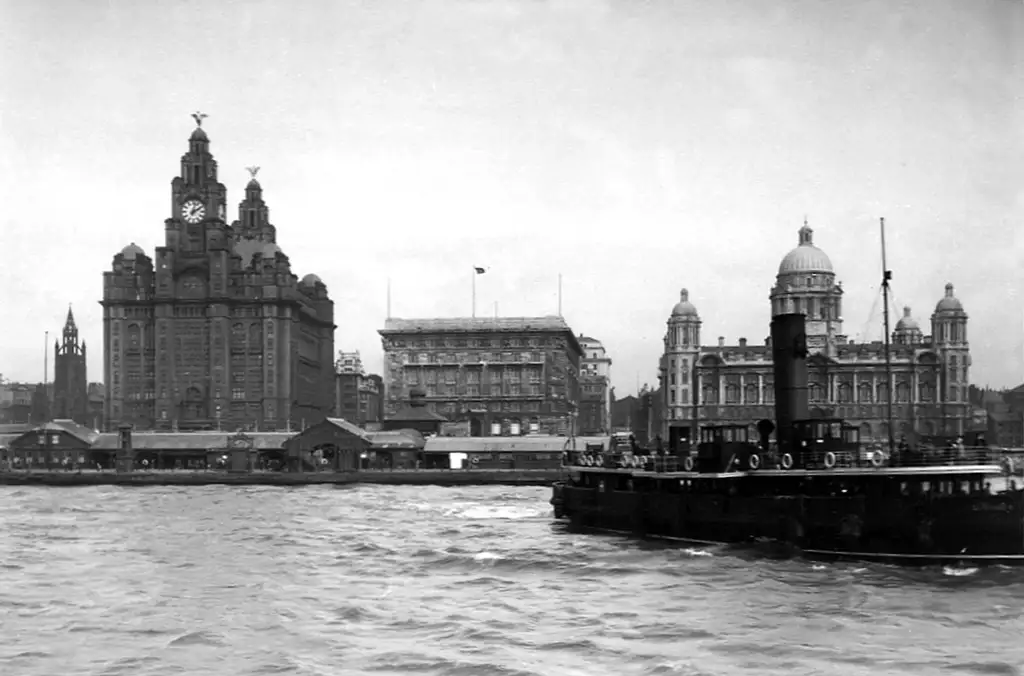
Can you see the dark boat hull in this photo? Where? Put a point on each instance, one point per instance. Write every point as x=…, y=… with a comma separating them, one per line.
x=971, y=529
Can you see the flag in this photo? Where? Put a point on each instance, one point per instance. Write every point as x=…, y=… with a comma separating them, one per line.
x=480, y=270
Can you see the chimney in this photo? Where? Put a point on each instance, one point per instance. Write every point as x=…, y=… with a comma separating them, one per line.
x=721, y=341
x=743, y=342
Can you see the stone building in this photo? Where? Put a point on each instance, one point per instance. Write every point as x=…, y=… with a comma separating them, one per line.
x=70, y=384
x=707, y=384
x=595, y=388
x=508, y=375
x=215, y=330
x=358, y=395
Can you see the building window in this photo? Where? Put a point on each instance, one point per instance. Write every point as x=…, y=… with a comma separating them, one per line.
x=864, y=393
x=672, y=395
x=732, y=394
x=844, y=393
x=751, y=394
x=238, y=393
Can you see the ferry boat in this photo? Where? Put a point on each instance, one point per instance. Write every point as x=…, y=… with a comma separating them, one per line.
x=816, y=492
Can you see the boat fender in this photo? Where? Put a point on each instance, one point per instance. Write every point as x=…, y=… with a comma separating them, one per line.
x=1007, y=464
x=474, y=461
x=830, y=460
x=637, y=461
x=877, y=459
x=588, y=461
x=598, y=461
x=688, y=463
x=754, y=461
x=787, y=461
x=565, y=458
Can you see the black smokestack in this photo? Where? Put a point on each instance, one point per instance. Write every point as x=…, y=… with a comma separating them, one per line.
x=789, y=361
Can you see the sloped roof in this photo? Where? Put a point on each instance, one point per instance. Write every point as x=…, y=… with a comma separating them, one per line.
x=191, y=441
x=71, y=427
x=530, y=443
x=417, y=413
x=402, y=439
x=351, y=428
x=15, y=428
x=6, y=439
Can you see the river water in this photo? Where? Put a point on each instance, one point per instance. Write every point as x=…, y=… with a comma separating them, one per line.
x=397, y=580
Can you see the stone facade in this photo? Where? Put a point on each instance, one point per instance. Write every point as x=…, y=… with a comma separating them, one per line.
x=722, y=383
x=215, y=330
x=70, y=384
x=504, y=375
x=595, y=388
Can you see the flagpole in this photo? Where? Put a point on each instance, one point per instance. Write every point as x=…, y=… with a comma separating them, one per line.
x=474, y=273
x=559, y=294
x=389, y=298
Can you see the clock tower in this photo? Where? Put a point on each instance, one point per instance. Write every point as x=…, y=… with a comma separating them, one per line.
x=215, y=332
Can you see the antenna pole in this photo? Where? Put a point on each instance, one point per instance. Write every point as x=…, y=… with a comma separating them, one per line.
x=389, y=298
x=559, y=294
x=886, y=276
x=474, y=292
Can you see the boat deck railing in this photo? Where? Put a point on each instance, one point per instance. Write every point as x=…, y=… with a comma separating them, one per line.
x=1008, y=460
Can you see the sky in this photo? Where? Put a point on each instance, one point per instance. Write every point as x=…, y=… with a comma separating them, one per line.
x=637, y=147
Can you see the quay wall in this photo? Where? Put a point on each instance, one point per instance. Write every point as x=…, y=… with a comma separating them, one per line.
x=524, y=477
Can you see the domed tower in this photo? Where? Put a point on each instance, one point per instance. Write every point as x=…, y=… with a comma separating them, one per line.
x=806, y=283
x=907, y=332
x=682, y=345
x=949, y=338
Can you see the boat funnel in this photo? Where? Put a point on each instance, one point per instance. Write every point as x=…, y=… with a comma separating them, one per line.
x=789, y=361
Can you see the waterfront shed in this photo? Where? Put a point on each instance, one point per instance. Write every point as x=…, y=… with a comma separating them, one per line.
x=59, y=443
x=331, y=444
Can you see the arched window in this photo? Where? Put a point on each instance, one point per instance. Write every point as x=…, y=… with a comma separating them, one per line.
x=732, y=393
x=768, y=394
x=902, y=393
x=237, y=332
x=255, y=336
x=709, y=394
x=844, y=393
x=882, y=393
x=926, y=392
x=751, y=394
x=816, y=392
x=864, y=393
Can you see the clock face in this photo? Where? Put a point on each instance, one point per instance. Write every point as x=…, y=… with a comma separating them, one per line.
x=193, y=211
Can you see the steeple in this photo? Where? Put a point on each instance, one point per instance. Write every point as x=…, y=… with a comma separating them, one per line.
x=70, y=331
x=253, y=214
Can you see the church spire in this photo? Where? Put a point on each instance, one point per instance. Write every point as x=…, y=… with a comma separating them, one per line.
x=69, y=323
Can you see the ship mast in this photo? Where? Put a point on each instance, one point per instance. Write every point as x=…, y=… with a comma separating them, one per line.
x=886, y=276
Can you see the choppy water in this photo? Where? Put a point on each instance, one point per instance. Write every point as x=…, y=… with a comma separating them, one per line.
x=399, y=580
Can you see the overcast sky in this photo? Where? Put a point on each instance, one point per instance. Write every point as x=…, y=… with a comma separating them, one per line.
x=635, y=146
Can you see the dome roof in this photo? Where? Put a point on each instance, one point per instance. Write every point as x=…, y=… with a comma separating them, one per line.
x=684, y=308
x=805, y=257
x=131, y=251
x=949, y=302
x=198, y=135
x=906, y=322
x=311, y=280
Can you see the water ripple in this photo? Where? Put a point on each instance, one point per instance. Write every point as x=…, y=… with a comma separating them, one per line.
x=429, y=580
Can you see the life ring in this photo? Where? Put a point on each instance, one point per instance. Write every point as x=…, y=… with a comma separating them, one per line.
x=1007, y=465
x=787, y=461
x=877, y=459
x=754, y=461
x=688, y=463
x=474, y=461
x=830, y=460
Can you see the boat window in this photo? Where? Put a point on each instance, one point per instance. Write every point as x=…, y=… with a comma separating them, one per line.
x=727, y=434
x=741, y=434
x=837, y=430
